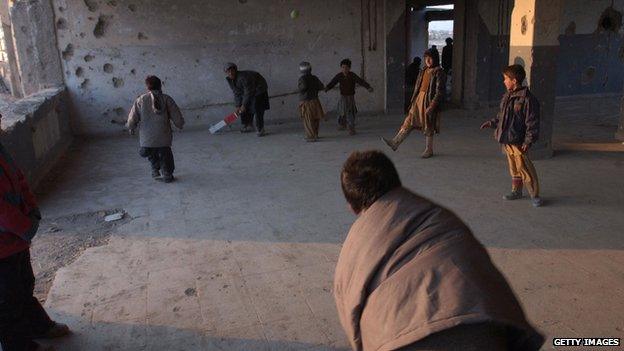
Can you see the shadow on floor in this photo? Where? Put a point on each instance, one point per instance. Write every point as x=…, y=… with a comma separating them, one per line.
x=131, y=336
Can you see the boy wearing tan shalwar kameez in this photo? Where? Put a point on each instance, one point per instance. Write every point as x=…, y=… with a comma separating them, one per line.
x=310, y=107
x=424, y=112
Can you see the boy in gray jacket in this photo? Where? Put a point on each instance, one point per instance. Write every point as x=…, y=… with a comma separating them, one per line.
x=153, y=113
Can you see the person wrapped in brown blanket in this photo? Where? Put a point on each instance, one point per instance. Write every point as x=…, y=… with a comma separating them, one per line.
x=411, y=275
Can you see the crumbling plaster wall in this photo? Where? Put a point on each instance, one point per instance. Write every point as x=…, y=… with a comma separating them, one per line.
x=591, y=60
x=108, y=47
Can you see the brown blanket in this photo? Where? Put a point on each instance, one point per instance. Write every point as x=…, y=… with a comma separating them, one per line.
x=410, y=268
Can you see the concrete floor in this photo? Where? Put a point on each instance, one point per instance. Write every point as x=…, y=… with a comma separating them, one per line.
x=239, y=253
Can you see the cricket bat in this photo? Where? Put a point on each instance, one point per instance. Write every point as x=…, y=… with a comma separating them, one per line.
x=229, y=119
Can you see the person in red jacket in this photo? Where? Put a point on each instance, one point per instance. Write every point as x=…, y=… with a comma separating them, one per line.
x=22, y=318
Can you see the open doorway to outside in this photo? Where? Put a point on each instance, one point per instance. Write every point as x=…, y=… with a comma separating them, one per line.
x=430, y=26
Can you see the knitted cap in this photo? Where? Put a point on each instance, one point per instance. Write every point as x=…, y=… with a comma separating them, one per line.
x=229, y=65
x=305, y=66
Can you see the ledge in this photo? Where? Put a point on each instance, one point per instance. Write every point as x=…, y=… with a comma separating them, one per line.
x=36, y=130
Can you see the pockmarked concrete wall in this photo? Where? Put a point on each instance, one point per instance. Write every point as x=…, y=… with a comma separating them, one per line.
x=108, y=47
x=36, y=132
x=591, y=58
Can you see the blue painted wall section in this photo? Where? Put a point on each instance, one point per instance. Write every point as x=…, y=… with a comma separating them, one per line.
x=590, y=64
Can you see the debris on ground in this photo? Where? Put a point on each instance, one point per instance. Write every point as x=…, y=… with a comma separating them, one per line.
x=60, y=241
x=114, y=217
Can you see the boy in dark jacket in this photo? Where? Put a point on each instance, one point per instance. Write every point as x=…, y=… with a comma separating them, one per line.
x=517, y=128
x=22, y=318
x=310, y=107
x=251, y=96
x=346, y=105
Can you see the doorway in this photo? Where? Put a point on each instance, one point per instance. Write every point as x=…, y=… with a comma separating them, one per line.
x=429, y=26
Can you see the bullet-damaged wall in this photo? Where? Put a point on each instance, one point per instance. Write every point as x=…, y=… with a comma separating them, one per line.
x=108, y=47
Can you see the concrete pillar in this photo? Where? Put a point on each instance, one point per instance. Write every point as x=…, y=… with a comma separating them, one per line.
x=459, y=25
x=534, y=44
x=465, y=46
x=619, y=135
x=396, y=52
x=34, y=38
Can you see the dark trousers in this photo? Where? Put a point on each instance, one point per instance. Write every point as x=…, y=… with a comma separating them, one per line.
x=21, y=314
x=161, y=158
x=347, y=120
x=256, y=107
x=248, y=117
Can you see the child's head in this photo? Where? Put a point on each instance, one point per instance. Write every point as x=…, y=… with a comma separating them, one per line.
x=153, y=83
x=513, y=76
x=230, y=70
x=366, y=176
x=431, y=60
x=345, y=65
x=305, y=67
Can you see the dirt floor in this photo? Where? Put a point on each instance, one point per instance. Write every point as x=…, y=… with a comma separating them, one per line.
x=61, y=240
